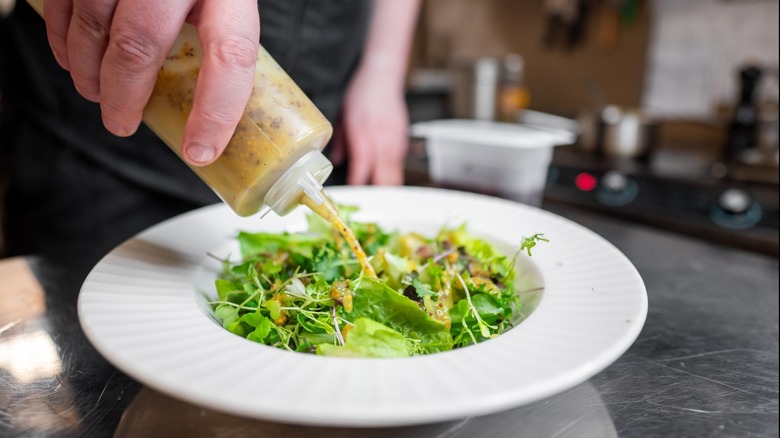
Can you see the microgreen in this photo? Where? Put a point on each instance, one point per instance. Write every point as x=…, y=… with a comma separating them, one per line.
x=306, y=292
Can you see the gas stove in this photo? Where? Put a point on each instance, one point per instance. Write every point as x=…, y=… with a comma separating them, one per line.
x=689, y=200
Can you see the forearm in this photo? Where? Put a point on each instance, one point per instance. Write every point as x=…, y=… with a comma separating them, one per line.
x=389, y=40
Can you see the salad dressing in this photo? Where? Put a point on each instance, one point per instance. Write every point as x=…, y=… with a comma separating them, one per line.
x=328, y=211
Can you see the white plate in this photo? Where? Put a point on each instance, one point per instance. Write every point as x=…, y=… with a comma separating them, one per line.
x=143, y=308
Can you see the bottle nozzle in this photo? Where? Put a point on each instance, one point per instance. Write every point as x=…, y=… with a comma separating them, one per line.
x=304, y=178
x=312, y=187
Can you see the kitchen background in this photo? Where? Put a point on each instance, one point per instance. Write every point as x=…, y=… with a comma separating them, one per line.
x=674, y=102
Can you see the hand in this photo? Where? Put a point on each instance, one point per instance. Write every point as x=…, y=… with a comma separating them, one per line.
x=115, y=48
x=375, y=122
x=373, y=130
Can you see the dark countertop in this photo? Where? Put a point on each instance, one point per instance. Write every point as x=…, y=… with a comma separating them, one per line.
x=705, y=364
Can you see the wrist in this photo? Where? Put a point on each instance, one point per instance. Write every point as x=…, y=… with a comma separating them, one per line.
x=384, y=68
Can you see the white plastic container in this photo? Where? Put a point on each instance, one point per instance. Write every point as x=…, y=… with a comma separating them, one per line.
x=506, y=159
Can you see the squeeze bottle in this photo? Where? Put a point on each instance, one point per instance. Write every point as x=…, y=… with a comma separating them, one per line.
x=274, y=157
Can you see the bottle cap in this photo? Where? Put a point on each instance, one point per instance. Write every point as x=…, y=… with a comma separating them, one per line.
x=304, y=177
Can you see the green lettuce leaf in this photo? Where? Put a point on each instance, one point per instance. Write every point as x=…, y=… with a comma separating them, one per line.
x=368, y=339
x=252, y=244
x=391, y=268
x=487, y=306
x=376, y=301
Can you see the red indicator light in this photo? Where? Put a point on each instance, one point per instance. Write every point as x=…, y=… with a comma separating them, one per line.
x=585, y=182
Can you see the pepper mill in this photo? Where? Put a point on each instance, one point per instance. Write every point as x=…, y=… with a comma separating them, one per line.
x=743, y=128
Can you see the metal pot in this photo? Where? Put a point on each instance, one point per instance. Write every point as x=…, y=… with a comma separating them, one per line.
x=618, y=132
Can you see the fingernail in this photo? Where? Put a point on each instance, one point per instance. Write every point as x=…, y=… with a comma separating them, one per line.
x=117, y=128
x=200, y=153
x=91, y=96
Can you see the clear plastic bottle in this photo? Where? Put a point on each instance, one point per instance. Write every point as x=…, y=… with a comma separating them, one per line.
x=274, y=157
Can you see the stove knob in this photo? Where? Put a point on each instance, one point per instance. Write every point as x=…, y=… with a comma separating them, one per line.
x=616, y=189
x=736, y=210
x=614, y=182
x=734, y=201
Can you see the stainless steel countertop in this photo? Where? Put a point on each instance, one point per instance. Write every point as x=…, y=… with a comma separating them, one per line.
x=705, y=364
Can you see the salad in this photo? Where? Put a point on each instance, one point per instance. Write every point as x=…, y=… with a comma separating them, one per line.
x=306, y=291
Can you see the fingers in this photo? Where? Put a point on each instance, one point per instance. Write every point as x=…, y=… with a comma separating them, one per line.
x=57, y=15
x=229, y=32
x=390, y=149
x=87, y=41
x=361, y=157
x=389, y=172
x=115, y=48
x=377, y=143
x=394, y=146
x=142, y=32
x=379, y=161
